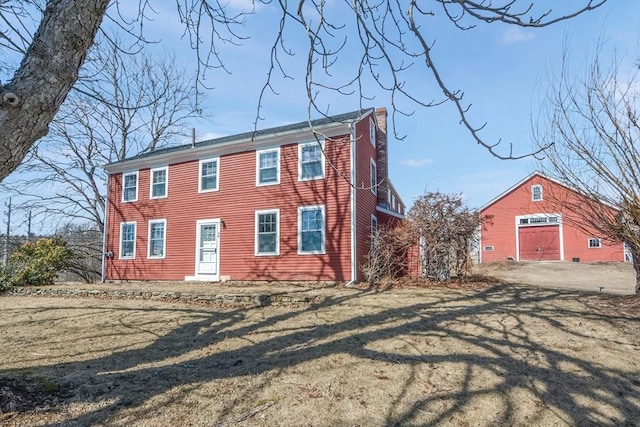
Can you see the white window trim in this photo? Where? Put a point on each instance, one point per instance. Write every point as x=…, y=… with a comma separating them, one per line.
x=258, y=153
x=124, y=175
x=164, y=239
x=135, y=237
x=372, y=132
x=533, y=199
x=373, y=178
x=323, y=248
x=203, y=161
x=166, y=182
x=322, y=159
x=599, y=241
x=262, y=212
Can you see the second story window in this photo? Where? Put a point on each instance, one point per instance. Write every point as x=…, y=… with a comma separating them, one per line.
x=372, y=132
x=130, y=187
x=536, y=193
x=159, y=181
x=311, y=161
x=373, y=173
x=268, y=166
x=208, y=175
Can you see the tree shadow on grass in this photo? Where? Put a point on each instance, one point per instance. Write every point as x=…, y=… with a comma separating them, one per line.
x=493, y=322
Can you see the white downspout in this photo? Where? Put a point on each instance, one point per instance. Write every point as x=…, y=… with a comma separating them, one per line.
x=352, y=203
x=104, y=233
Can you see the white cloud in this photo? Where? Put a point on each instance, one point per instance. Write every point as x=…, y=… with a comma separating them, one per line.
x=416, y=163
x=516, y=35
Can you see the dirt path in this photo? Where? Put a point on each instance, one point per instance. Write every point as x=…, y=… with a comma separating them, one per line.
x=615, y=278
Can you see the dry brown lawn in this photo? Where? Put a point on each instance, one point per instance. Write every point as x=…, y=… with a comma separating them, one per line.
x=462, y=356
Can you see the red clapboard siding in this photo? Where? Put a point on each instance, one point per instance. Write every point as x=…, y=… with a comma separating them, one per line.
x=235, y=204
x=503, y=234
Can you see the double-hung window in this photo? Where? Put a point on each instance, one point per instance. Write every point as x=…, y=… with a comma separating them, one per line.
x=268, y=166
x=595, y=243
x=310, y=161
x=373, y=174
x=157, y=238
x=159, y=182
x=209, y=172
x=372, y=132
x=267, y=232
x=536, y=193
x=311, y=230
x=127, y=240
x=130, y=187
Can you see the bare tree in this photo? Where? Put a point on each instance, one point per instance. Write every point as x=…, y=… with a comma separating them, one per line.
x=123, y=105
x=592, y=127
x=444, y=229
x=392, y=37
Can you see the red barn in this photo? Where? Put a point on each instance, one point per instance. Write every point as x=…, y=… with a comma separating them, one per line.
x=296, y=202
x=530, y=224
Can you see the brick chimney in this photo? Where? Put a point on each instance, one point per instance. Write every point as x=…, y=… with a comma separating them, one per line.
x=383, y=158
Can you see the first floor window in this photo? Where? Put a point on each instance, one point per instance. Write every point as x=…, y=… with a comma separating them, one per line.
x=159, y=183
x=130, y=187
x=374, y=225
x=311, y=226
x=157, y=229
x=208, y=175
x=594, y=242
x=127, y=240
x=267, y=232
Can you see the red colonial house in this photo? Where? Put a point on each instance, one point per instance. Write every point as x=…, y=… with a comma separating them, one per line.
x=276, y=204
x=529, y=224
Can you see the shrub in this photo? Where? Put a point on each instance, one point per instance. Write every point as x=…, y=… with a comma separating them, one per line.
x=38, y=263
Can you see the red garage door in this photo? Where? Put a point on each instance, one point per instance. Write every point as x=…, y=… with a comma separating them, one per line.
x=539, y=243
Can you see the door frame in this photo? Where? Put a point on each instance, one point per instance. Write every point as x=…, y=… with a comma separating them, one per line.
x=557, y=223
x=199, y=276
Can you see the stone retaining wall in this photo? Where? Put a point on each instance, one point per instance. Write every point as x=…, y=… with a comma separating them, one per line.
x=256, y=300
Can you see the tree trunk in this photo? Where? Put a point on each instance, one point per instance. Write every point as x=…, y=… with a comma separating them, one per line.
x=635, y=254
x=49, y=69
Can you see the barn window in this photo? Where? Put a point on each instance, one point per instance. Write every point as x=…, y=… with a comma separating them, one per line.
x=159, y=178
x=267, y=232
x=268, y=165
x=594, y=242
x=536, y=193
x=310, y=161
x=127, y=240
x=488, y=248
x=157, y=241
x=311, y=230
x=208, y=175
x=130, y=187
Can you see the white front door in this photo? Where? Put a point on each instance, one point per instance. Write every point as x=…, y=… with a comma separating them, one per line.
x=208, y=256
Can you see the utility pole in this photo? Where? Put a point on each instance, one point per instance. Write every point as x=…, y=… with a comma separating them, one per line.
x=5, y=256
x=29, y=227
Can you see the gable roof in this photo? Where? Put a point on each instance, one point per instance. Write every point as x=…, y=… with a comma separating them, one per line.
x=548, y=178
x=242, y=141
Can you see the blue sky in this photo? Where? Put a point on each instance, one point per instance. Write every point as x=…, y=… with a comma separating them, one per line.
x=501, y=69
